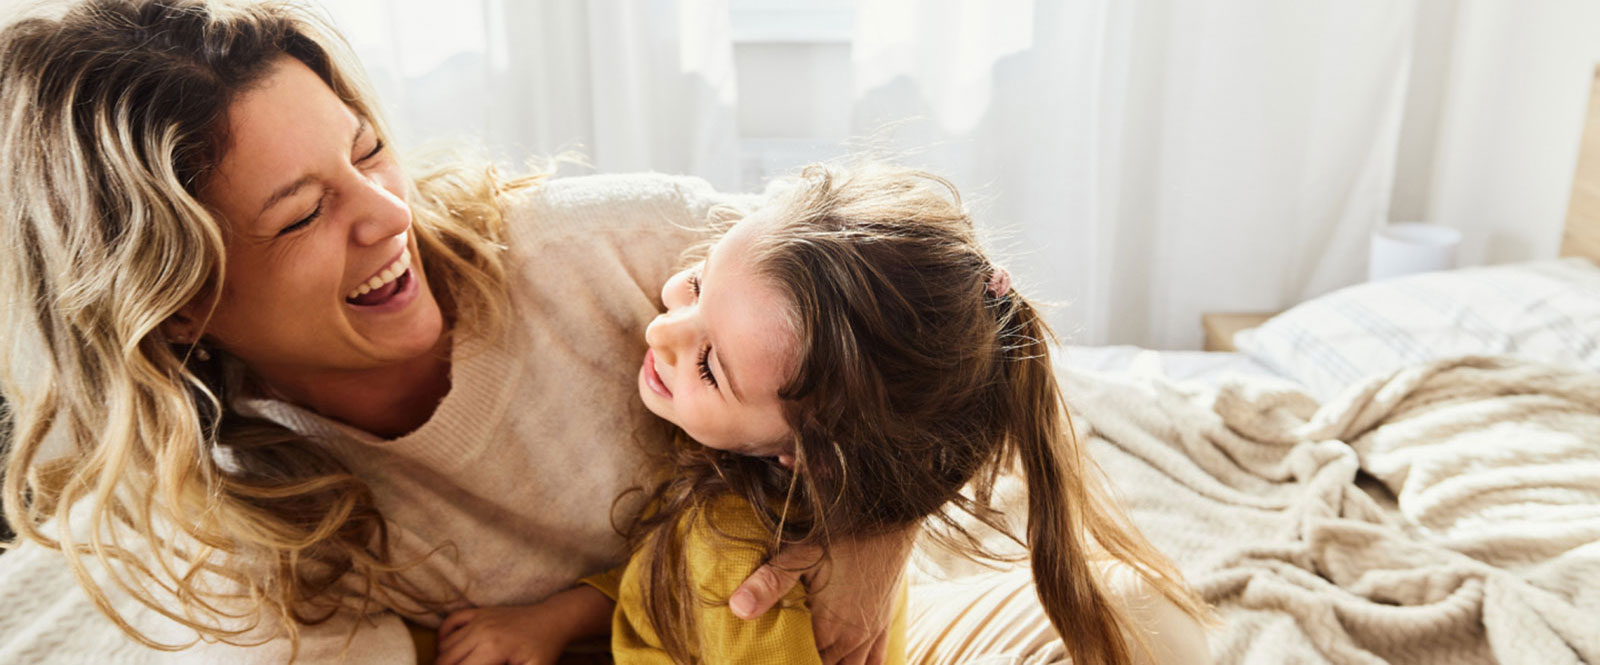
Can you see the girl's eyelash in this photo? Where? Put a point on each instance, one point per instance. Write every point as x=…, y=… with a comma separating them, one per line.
x=705, y=367
x=375, y=150
x=302, y=223
x=694, y=284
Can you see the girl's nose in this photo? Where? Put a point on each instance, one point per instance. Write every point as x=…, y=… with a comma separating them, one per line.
x=675, y=292
x=662, y=335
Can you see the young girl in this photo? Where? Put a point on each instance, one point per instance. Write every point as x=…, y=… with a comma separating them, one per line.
x=846, y=361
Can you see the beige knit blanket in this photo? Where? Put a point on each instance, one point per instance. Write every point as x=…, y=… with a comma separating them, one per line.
x=1449, y=513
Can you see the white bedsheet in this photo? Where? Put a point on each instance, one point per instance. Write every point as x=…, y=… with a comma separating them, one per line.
x=1211, y=368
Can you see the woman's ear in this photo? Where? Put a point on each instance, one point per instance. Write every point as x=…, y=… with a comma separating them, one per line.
x=183, y=327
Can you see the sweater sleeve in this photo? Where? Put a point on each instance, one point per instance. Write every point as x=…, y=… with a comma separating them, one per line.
x=378, y=638
x=608, y=583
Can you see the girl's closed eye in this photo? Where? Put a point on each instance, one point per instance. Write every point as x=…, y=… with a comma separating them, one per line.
x=705, y=354
x=705, y=367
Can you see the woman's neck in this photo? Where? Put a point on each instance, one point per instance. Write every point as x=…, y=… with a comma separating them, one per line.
x=389, y=402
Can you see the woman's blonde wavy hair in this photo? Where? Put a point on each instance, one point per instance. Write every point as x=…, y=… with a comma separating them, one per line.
x=113, y=118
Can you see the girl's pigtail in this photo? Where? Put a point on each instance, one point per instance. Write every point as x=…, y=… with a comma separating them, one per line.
x=1073, y=521
x=1059, y=499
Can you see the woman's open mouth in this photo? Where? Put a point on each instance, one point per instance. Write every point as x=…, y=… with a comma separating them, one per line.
x=385, y=287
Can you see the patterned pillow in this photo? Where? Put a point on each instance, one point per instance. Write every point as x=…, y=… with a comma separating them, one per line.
x=1543, y=310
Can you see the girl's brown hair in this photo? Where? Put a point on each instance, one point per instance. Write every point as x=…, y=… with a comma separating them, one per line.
x=917, y=375
x=114, y=116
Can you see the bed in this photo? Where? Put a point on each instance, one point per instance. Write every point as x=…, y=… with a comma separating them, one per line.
x=1405, y=471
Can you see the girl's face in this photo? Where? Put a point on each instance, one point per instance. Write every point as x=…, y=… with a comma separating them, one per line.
x=316, y=212
x=722, y=350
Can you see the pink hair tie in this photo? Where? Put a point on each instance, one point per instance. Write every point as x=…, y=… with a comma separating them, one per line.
x=999, y=282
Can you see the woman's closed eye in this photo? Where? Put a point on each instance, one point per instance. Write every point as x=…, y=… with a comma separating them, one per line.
x=377, y=149
x=305, y=221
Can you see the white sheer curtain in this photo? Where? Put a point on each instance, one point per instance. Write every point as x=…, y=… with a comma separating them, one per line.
x=1146, y=160
x=632, y=85
x=1156, y=159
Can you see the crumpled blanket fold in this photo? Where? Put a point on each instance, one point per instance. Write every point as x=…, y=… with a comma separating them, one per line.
x=1447, y=513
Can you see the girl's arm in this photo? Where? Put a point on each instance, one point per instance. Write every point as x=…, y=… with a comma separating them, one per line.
x=524, y=634
x=852, y=595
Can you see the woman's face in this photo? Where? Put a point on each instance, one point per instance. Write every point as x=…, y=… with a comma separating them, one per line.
x=322, y=272
x=721, y=351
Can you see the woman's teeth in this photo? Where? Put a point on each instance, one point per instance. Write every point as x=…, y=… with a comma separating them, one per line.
x=389, y=274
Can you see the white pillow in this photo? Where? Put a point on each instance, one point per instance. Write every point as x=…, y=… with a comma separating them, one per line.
x=1543, y=310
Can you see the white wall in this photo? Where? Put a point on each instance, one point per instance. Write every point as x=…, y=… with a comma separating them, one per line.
x=794, y=105
x=795, y=84
x=1493, y=123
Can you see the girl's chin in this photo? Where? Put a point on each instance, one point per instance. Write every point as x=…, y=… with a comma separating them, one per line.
x=650, y=400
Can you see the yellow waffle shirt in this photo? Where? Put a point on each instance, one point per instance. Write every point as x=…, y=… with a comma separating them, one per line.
x=717, y=565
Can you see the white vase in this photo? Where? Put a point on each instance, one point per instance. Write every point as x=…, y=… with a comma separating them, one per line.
x=1405, y=248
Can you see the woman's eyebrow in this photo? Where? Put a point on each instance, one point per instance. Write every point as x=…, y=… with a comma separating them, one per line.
x=284, y=192
x=289, y=190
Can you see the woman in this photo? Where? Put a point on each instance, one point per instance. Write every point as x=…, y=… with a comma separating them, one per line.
x=273, y=385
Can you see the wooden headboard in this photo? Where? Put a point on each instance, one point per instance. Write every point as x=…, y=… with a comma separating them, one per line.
x=1582, y=234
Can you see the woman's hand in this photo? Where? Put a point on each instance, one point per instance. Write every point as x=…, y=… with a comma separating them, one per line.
x=523, y=635
x=852, y=594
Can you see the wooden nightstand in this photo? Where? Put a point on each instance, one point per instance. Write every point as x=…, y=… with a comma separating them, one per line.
x=1220, y=327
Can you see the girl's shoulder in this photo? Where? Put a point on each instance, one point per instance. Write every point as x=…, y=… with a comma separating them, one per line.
x=1173, y=635
x=724, y=543
x=727, y=526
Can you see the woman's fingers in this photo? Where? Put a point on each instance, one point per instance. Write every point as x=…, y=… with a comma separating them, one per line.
x=455, y=655
x=875, y=652
x=760, y=591
x=838, y=654
x=857, y=654
x=484, y=656
x=765, y=587
x=880, y=650
x=456, y=620
x=456, y=636
x=852, y=597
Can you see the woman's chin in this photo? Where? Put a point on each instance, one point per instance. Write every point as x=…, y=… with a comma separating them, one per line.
x=416, y=334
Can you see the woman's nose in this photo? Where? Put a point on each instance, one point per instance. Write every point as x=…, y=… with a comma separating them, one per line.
x=379, y=213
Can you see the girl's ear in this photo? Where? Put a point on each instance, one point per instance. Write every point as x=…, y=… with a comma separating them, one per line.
x=786, y=460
